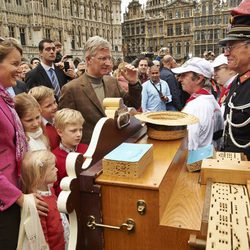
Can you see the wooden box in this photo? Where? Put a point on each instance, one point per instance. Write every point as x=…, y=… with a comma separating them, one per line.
x=227, y=168
x=128, y=160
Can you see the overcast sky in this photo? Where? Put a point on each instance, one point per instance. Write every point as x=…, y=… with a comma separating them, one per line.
x=126, y=2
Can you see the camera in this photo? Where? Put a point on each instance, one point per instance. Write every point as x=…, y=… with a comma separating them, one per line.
x=66, y=66
x=164, y=98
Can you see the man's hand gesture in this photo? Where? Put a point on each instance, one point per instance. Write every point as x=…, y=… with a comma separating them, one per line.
x=130, y=73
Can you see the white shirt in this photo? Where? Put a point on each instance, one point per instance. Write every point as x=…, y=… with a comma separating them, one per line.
x=36, y=140
x=151, y=100
x=207, y=110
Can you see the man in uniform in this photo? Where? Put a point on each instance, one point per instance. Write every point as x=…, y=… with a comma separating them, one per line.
x=237, y=105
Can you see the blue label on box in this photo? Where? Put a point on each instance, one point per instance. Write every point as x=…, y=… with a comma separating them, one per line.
x=129, y=152
x=200, y=154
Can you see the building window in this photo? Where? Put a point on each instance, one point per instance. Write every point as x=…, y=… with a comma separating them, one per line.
x=76, y=9
x=47, y=33
x=197, y=35
x=11, y=31
x=161, y=29
x=187, y=46
x=170, y=45
x=177, y=14
x=203, y=21
x=203, y=35
x=204, y=9
x=96, y=11
x=170, y=30
x=7, y=1
x=79, y=36
x=143, y=29
x=18, y=2
x=149, y=30
x=60, y=35
x=57, y=4
x=85, y=11
x=210, y=20
x=154, y=29
x=225, y=19
x=87, y=33
x=210, y=9
x=186, y=28
x=216, y=34
x=73, y=41
x=45, y=3
x=178, y=29
x=186, y=14
x=132, y=31
x=197, y=51
x=178, y=48
x=170, y=15
x=210, y=34
x=22, y=36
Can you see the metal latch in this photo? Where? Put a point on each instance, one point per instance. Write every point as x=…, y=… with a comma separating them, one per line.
x=129, y=225
x=141, y=207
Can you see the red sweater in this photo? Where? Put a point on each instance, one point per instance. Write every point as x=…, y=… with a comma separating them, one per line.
x=52, y=224
x=54, y=138
x=61, y=156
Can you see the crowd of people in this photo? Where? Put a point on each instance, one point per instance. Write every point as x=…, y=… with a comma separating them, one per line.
x=49, y=108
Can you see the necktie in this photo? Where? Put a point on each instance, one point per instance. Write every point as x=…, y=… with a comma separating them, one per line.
x=54, y=82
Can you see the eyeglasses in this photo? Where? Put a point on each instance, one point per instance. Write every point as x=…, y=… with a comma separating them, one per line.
x=230, y=48
x=219, y=68
x=105, y=58
x=48, y=49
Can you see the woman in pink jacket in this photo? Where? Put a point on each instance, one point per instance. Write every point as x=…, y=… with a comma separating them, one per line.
x=13, y=145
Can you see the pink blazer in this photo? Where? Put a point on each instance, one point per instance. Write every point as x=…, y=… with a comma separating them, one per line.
x=9, y=180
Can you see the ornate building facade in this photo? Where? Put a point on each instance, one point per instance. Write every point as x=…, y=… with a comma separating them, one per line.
x=187, y=27
x=71, y=22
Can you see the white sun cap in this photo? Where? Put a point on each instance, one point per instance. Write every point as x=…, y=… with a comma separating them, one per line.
x=197, y=65
x=220, y=60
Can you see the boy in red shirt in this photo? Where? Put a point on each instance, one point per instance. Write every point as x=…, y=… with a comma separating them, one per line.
x=68, y=123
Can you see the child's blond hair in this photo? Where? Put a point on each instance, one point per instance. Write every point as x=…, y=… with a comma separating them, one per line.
x=40, y=93
x=25, y=103
x=33, y=169
x=66, y=117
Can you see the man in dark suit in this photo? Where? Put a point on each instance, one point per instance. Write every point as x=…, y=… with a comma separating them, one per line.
x=47, y=73
x=20, y=87
x=87, y=92
x=168, y=62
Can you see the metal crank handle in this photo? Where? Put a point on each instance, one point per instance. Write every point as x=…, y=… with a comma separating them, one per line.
x=129, y=225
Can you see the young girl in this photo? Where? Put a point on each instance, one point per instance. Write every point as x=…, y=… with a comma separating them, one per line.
x=38, y=173
x=29, y=113
x=46, y=99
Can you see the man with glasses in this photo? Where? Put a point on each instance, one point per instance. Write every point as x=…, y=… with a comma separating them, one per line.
x=237, y=106
x=46, y=73
x=224, y=77
x=87, y=92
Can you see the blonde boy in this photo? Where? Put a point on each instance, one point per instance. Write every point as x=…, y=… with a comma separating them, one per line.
x=46, y=99
x=68, y=123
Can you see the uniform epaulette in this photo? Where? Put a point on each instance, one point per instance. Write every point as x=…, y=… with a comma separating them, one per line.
x=244, y=77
